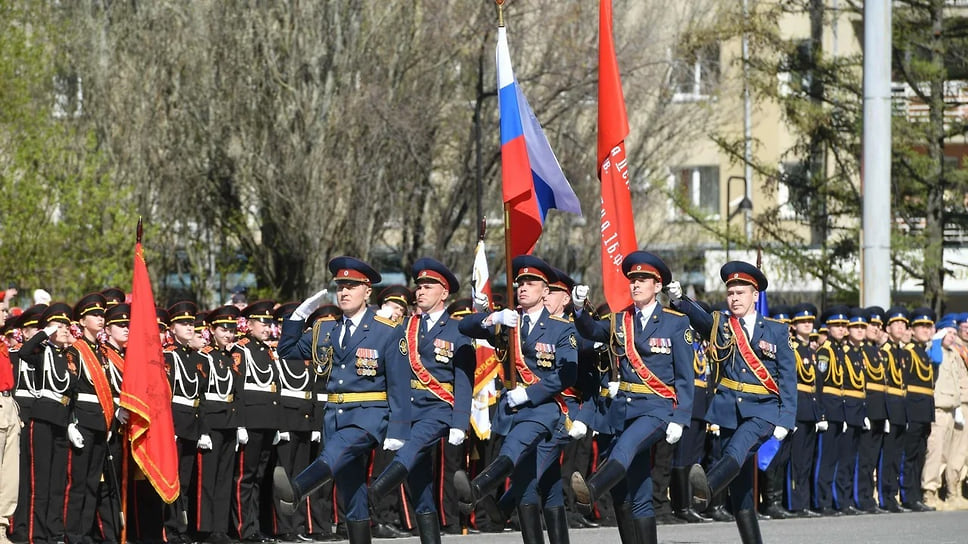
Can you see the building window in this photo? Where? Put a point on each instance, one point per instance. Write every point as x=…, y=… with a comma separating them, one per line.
x=695, y=73
x=698, y=187
x=797, y=70
x=68, y=96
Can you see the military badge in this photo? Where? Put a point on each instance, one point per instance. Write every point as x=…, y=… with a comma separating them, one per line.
x=443, y=350
x=688, y=337
x=366, y=361
x=822, y=363
x=403, y=346
x=573, y=341
x=544, y=354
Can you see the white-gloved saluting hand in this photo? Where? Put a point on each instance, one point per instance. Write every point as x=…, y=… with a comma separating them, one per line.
x=456, y=437
x=308, y=306
x=75, y=436
x=674, y=290
x=392, y=444
x=578, y=430
x=481, y=302
x=673, y=432
x=517, y=396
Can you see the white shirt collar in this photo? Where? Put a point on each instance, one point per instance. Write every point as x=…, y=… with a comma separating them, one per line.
x=433, y=317
x=646, y=312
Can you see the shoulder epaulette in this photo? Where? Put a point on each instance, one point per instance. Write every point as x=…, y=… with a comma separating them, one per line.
x=207, y=349
x=244, y=341
x=386, y=321
x=170, y=348
x=559, y=318
x=671, y=311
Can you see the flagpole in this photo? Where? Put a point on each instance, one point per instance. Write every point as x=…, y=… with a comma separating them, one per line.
x=513, y=337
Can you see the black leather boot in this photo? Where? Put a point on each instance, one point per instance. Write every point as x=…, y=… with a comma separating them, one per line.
x=717, y=509
x=626, y=525
x=556, y=521
x=749, y=527
x=645, y=531
x=359, y=531
x=529, y=515
x=289, y=493
x=429, y=527
x=706, y=485
x=774, y=498
x=469, y=492
x=587, y=493
x=681, y=498
x=385, y=483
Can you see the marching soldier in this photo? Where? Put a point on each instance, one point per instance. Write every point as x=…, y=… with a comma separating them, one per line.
x=93, y=416
x=442, y=364
x=652, y=400
x=919, y=402
x=869, y=450
x=756, y=395
x=222, y=427
x=896, y=361
x=55, y=380
x=810, y=415
x=363, y=358
x=544, y=364
x=187, y=385
x=259, y=406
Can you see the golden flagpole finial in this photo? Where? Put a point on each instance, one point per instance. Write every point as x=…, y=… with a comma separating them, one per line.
x=500, y=12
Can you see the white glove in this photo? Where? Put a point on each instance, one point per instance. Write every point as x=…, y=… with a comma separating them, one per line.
x=613, y=389
x=822, y=426
x=867, y=424
x=579, y=294
x=49, y=330
x=578, y=430
x=887, y=426
x=456, y=437
x=75, y=436
x=673, y=432
x=110, y=434
x=122, y=415
x=959, y=417
x=517, y=396
x=674, y=290
x=480, y=302
x=780, y=433
x=714, y=429
x=205, y=442
x=598, y=345
x=308, y=306
x=392, y=444
x=385, y=313
x=506, y=317
x=315, y=436
x=845, y=427
x=241, y=437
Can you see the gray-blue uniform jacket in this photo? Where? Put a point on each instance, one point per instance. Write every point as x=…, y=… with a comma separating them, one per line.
x=373, y=361
x=771, y=344
x=551, y=352
x=449, y=356
x=665, y=346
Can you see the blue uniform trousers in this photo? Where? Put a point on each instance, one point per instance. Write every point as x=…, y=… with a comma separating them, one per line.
x=889, y=466
x=846, y=462
x=415, y=455
x=632, y=448
x=828, y=444
x=346, y=453
x=741, y=444
x=867, y=455
x=538, y=475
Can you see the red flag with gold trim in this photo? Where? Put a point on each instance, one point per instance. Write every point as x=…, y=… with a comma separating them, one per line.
x=145, y=392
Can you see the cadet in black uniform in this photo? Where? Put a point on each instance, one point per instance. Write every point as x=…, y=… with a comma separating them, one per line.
x=871, y=440
x=92, y=414
x=186, y=384
x=896, y=362
x=919, y=402
x=116, y=321
x=810, y=415
x=55, y=380
x=222, y=426
x=259, y=406
x=27, y=325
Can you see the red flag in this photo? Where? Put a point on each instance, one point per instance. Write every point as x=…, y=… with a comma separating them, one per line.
x=145, y=392
x=618, y=223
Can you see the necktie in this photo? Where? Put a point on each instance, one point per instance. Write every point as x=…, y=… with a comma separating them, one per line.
x=347, y=332
x=642, y=321
x=426, y=322
x=525, y=327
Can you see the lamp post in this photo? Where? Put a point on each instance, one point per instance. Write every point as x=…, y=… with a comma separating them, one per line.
x=745, y=205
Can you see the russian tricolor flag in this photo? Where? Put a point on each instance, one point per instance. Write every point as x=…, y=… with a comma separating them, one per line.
x=532, y=179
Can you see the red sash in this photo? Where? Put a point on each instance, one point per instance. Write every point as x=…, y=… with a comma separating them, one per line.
x=529, y=378
x=419, y=370
x=116, y=358
x=642, y=371
x=754, y=364
x=100, y=381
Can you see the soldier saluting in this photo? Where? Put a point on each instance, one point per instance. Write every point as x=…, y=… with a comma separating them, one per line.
x=363, y=360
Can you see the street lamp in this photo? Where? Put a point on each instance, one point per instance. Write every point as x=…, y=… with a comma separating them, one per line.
x=745, y=205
